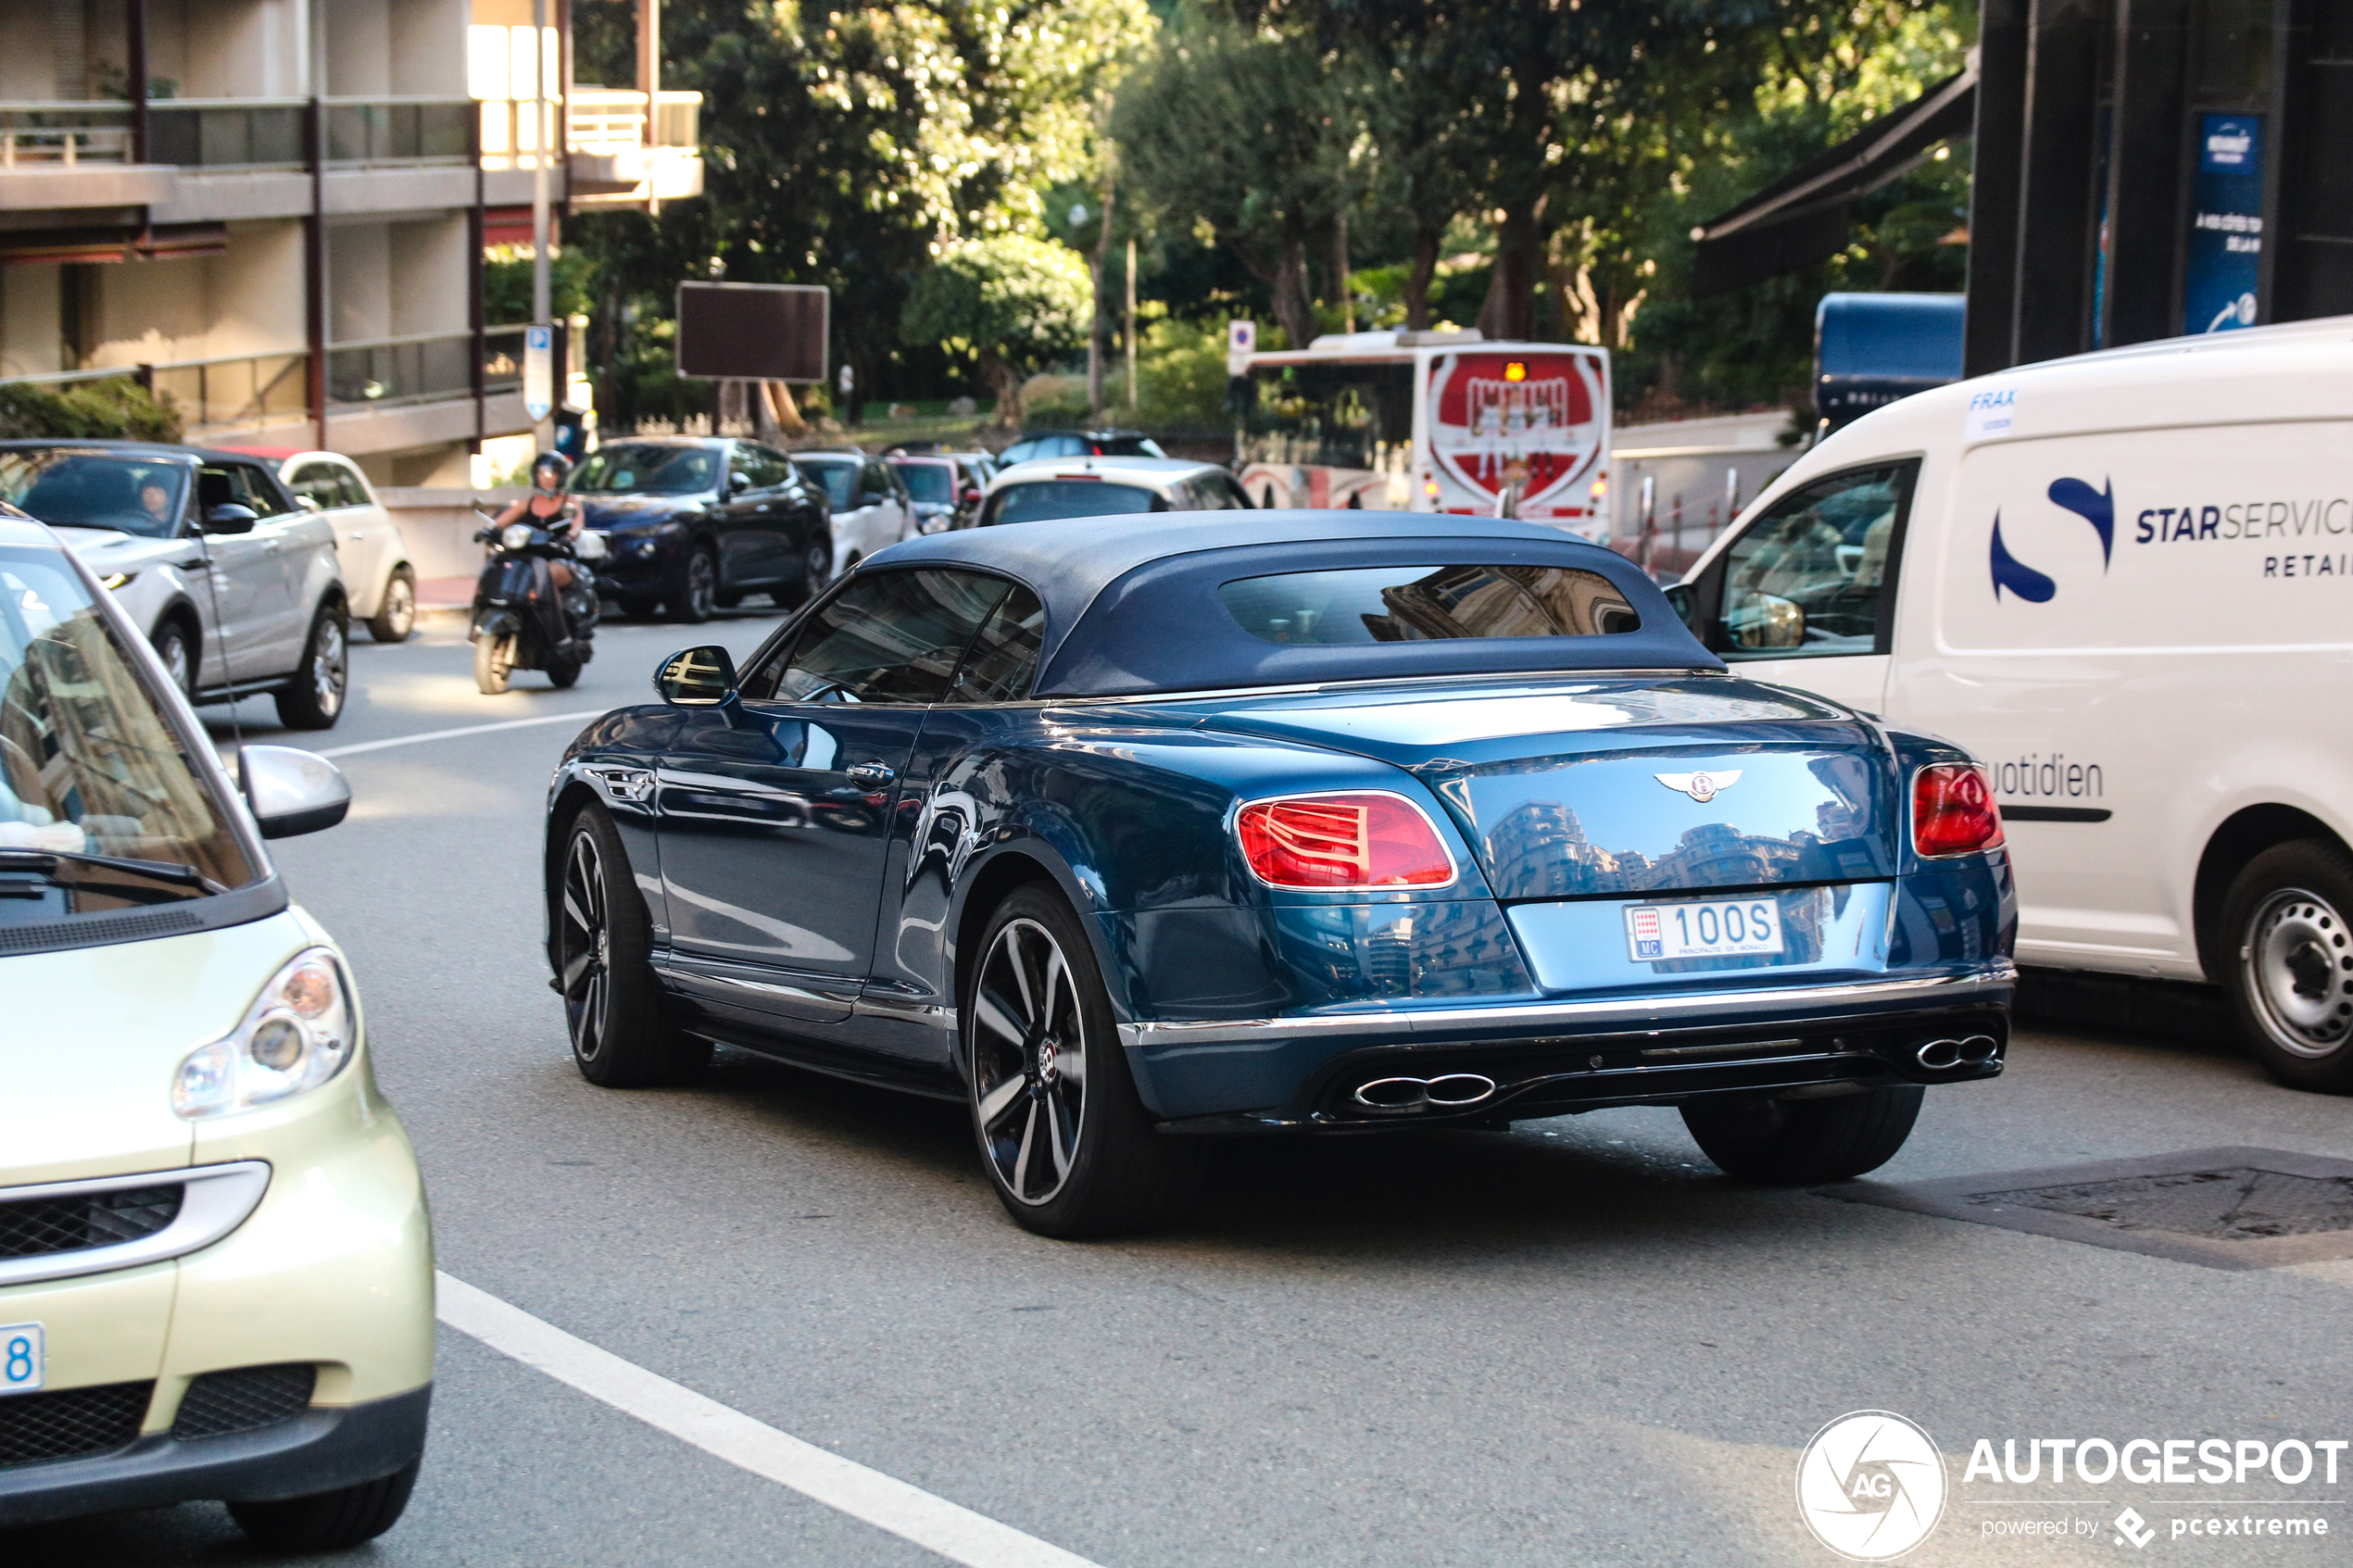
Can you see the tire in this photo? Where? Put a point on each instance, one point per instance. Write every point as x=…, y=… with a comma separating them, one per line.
x=563, y=672
x=2289, y=956
x=178, y=651
x=395, y=617
x=694, y=593
x=816, y=573
x=604, y=966
x=1071, y=1154
x=493, y=664
x=1798, y=1142
x=313, y=699
x=332, y=1521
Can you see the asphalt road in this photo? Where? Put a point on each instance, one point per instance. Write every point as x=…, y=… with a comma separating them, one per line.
x=1572, y=1343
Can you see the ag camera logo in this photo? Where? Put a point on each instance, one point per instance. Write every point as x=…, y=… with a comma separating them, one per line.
x=1870, y=1485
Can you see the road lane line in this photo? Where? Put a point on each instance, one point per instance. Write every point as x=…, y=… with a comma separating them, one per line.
x=353, y=750
x=909, y=1513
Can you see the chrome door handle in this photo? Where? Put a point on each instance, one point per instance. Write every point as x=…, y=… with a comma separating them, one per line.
x=872, y=775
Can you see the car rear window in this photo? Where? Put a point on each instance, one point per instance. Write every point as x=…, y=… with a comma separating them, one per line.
x=1409, y=604
x=927, y=482
x=840, y=478
x=1044, y=499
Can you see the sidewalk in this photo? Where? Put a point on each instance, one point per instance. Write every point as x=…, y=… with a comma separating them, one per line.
x=445, y=596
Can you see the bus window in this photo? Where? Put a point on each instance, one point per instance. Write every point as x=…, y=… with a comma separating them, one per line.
x=1330, y=415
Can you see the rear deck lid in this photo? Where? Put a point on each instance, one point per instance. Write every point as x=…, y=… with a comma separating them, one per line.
x=1623, y=785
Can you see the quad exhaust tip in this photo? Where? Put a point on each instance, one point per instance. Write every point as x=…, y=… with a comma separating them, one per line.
x=1971, y=1051
x=1398, y=1096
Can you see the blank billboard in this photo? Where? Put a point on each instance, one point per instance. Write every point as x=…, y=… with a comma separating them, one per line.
x=753, y=332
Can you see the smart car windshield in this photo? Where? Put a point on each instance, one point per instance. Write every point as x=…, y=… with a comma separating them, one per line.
x=643, y=468
x=70, y=488
x=88, y=767
x=1050, y=499
x=1408, y=604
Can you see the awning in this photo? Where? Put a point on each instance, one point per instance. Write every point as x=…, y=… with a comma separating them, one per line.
x=162, y=241
x=1803, y=218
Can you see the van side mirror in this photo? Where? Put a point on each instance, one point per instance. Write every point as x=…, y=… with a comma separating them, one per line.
x=1765, y=620
x=703, y=677
x=290, y=791
x=230, y=517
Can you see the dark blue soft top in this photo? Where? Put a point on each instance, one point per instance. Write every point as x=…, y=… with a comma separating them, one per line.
x=1132, y=604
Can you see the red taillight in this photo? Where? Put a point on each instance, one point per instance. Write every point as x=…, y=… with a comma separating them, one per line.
x=1953, y=811
x=1342, y=841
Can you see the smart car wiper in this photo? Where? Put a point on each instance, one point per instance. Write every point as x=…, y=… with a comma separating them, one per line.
x=48, y=860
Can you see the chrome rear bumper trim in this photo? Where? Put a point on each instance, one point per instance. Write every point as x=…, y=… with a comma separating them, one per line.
x=1538, y=1016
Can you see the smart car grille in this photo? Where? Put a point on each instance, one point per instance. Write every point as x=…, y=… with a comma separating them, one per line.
x=70, y=1422
x=34, y=1226
x=222, y=1402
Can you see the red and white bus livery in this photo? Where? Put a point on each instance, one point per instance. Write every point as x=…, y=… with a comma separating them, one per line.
x=1430, y=422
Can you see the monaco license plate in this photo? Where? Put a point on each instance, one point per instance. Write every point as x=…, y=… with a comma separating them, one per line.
x=1718, y=928
x=23, y=1358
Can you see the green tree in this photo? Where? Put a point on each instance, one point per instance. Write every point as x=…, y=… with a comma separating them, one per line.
x=1012, y=301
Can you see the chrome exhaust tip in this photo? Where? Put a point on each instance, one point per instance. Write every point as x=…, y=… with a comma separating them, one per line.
x=1978, y=1049
x=1940, y=1056
x=1395, y=1097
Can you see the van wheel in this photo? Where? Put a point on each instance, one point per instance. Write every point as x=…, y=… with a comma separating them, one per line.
x=313, y=699
x=2290, y=954
x=1064, y=1138
x=396, y=616
x=1797, y=1142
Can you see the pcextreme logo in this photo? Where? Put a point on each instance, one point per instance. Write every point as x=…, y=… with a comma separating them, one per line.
x=1870, y=1485
x=2095, y=507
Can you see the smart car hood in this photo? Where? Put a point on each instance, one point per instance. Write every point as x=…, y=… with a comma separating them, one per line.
x=1623, y=785
x=93, y=1035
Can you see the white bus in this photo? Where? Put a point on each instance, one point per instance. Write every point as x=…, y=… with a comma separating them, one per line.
x=1430, y=422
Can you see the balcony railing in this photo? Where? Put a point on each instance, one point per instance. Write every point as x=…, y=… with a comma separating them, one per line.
x=396, y=130
x=63, y=135
x=228, y=132
x=215, y=395
x=387, y=372
x=596, y=121
x=502, y=358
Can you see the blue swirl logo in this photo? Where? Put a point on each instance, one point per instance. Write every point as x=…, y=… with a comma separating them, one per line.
x=2095, y=507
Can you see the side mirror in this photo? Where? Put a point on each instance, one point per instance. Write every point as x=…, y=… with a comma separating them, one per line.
x=230, y=517
x=1765, y=620
x=738, y=482
x=701, y=677
x=972, y=493
x=309, y=502
x=291, y=792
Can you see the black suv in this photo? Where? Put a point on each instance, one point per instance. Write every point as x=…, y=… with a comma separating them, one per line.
x=695, y=523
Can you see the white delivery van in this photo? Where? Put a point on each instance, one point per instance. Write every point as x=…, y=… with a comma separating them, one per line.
x=2125, y=581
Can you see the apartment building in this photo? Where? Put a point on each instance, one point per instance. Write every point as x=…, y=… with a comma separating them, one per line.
x=275, y=210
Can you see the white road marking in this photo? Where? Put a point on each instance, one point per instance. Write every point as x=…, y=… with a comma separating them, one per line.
x=580, y=718
x=909, y=1513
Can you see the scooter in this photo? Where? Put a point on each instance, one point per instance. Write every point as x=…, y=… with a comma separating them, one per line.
x=521, y=621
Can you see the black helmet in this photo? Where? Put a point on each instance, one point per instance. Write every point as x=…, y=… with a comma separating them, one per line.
x=551, y=461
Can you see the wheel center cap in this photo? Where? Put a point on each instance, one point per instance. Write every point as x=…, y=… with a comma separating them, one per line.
x=1048, y=1053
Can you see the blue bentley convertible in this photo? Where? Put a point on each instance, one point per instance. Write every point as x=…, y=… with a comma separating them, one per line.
x=1132, y=831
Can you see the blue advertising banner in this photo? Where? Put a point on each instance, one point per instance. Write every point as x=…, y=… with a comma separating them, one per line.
x=2226, y=225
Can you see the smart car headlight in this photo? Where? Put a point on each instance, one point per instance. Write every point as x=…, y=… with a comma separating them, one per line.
x=299, y=1033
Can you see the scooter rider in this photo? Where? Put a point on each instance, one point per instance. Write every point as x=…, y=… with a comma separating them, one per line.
x=551, y=506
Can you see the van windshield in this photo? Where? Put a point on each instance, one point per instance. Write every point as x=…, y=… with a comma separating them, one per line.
x=88, y=767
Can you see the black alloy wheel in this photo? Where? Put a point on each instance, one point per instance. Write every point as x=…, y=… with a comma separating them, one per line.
x=695, y=594
x=313, y=699
x=604, y=951
x=178, y=652
x=1068, y=1142
x=2290, y=962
